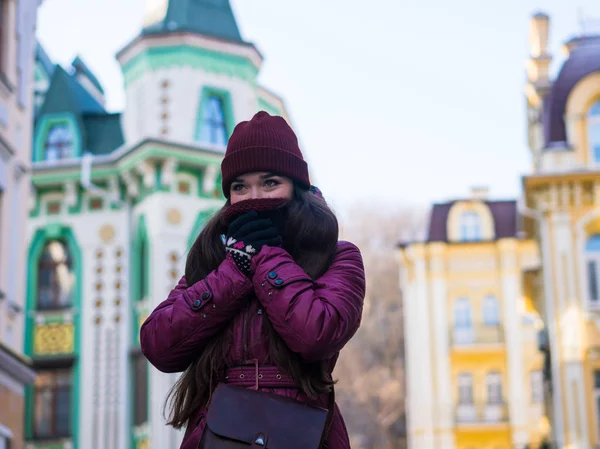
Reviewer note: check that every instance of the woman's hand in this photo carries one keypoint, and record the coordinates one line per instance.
(247, 235)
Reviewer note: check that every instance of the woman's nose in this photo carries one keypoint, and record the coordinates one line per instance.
(256, 193)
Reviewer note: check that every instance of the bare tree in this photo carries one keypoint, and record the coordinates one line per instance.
(371, 368)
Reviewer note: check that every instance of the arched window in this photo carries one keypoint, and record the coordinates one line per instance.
(491, 311)
(59, 143)
(592, 256)
(593, 125)
(470, 227)
(213, 128)
(463, 325)
(55, 277)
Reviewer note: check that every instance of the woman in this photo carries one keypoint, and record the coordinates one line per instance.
(279, 297)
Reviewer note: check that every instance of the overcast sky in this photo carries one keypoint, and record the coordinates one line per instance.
(396, 101)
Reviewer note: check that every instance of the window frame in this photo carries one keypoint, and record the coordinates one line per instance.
(494, 390)
(592, 271)
(140, 413)
(536, 379)
(213, 130)
(465, 385)
(470, 226)
(55, 303)
(463, 329)
(54, 387)
(486, 307)
(69, 142)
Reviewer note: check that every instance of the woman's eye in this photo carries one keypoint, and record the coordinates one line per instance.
(271, 183)
(237, 187)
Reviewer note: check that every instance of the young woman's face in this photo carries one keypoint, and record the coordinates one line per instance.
(257, 185)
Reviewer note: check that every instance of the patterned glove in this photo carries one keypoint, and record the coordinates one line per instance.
(246, 236)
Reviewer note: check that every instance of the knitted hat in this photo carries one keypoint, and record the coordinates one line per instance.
(265, 143)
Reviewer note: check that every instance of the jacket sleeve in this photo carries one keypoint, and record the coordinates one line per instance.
(176, 331)
(314, 318)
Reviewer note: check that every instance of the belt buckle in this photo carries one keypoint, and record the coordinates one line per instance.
(255, 363)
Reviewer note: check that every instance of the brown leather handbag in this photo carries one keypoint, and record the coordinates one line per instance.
(240, 418)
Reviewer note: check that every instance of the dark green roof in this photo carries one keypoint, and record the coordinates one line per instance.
(209, 17)
(103, 133)
(80, 67)
(65, 94)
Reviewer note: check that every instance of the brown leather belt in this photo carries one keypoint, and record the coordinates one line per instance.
(258, 376)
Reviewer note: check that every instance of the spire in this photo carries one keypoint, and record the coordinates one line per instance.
(208, 17)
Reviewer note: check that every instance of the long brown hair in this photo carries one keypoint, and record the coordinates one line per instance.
(310, 234)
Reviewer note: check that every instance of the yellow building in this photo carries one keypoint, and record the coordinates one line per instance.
(563, 200)
(474, 371)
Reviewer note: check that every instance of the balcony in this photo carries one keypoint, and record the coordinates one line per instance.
(468, 337)
(481, 414)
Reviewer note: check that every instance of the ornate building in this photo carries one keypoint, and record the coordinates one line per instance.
(476, 260)
(17, 49)
(562, 196)
(118, 199)
(474, 372)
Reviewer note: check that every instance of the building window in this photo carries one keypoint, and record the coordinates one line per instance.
(494, 388)
(491, 311)
(59, 143)
(52, 404)
(213, 128)
(537, 387)
(463, 326)
(140, 379)
(592, 256)
(55, 277)
(593, 124)
(465, 389)
(470, 227)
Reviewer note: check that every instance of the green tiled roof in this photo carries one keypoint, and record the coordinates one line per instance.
(209, 17)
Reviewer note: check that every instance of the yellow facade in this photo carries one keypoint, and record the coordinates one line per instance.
(471, 338)
(562, 195)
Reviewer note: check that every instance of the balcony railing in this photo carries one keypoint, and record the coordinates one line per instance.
(481, 414)
(477, 335)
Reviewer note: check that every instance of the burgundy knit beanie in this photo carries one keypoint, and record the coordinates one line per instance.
(265, 143)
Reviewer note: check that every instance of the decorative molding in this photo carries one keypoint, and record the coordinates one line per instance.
(230, 60)
(211, 172)
(131, 184)
(148, 173)
(169, 168)
(70, 189)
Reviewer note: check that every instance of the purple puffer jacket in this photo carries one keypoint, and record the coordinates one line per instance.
(314, 318)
